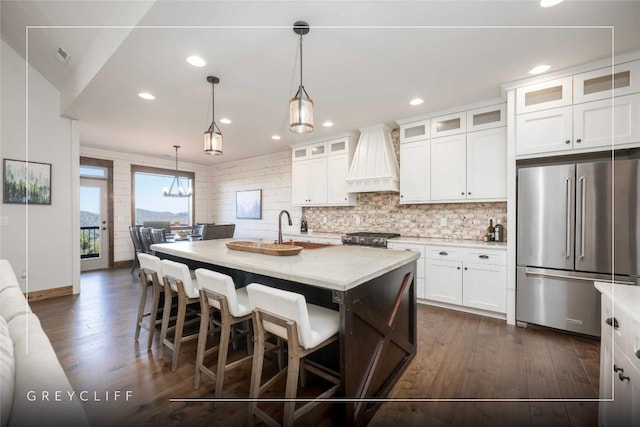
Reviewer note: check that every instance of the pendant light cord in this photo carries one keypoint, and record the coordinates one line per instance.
(301, 61)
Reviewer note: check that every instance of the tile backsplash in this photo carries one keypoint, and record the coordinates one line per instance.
(383, 212)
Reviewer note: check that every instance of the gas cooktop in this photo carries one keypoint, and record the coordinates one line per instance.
(363, 238)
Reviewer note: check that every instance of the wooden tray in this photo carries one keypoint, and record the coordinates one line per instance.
(265, 248)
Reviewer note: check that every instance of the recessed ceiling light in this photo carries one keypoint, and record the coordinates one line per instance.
(225, 121)
(196, 61)
(539, 69)
(416, 101)
(275, 137)
(327, 124)
(147, 96)
(549, 3)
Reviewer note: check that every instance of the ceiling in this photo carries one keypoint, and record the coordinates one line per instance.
(363, 62)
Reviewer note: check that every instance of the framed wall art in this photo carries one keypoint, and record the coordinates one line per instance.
(26, 182)
(249, 204)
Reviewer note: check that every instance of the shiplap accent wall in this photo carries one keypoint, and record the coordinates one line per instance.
(122, 246)
(272, 174)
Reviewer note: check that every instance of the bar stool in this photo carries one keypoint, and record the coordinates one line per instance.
(218, 292)
(306, 328)
(177, 281)
(150, 274)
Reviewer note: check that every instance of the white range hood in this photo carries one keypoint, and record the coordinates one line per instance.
(374, 167)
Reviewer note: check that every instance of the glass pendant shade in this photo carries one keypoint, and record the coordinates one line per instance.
(213, 135)
(213, 140)
(301, 112)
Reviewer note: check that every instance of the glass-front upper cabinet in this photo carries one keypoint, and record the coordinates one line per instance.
(310, 151)
(541, 96)
(451, 124)
(486, 118)
(414, 131)
(602, 83)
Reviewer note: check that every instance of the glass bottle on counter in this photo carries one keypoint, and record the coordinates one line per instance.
(499, 232)
(491, 231)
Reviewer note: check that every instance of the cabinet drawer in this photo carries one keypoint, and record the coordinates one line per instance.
(444, 253)
(480, 256)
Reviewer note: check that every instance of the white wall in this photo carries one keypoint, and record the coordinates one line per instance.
(272, 174)
(38, 238)
(122, 246)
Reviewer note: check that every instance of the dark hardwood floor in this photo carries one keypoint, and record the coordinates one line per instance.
(469, 370)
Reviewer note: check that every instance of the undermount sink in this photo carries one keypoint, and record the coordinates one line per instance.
(307, 245)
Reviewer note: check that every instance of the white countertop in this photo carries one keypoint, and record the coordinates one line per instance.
(625, 297)
(402, 239)
(334, 267)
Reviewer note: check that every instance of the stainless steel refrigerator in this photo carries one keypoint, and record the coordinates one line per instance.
(577, 223)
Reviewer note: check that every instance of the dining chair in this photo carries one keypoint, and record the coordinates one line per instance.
(178, 282)
(218, 293)
(150, 278)
(157, 235)
(134, 233)
(145, 239)
(306, 328)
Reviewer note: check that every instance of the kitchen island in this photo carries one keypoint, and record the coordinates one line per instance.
(373, 290)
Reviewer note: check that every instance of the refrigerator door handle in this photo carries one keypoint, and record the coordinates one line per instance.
(547, 273)
(567, 251)
(583, 209)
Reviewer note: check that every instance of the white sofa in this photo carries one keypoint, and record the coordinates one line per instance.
(34, 390)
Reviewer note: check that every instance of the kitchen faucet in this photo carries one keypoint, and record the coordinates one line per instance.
(280, 225)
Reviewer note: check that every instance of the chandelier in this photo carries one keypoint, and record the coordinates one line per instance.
(180, 190)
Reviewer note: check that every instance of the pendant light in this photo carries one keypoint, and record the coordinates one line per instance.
(213, 136)
(180, 190)
(301, 106)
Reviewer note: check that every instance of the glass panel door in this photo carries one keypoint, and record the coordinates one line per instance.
(94, 236)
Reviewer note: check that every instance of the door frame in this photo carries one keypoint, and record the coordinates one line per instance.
(107, 164)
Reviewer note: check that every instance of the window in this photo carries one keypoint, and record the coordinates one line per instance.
(148, 202)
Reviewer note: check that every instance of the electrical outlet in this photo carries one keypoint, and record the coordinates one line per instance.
(324, 219)
(443, 222)
(356, 219)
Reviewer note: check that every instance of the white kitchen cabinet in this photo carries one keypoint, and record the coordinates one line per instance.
(544, 131)
(444, 281)
(450, 124)
(467, 277)
(619, 359)
(420, 264)
(448, 168)
(415, 131)
(604, 83)
(337, 170)
(484, 118)
(545, 95)
(319, 169)
(309, 182)
(605, 122)
(487, 164)
(415, 173)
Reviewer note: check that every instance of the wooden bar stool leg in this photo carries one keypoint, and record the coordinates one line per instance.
(293, 370)
(154, 315)
(225, 332)
(166, 314)
(143, 301)
(256, 368)
(177, 339)
(202, 341)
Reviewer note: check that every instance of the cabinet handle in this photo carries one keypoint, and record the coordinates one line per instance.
(623, 377)
(616, 368)
(612, 321)
(458, 268)
(462, 193)
(466, 268)
(469, 193)
(401, 196)
(568, 141)
(483, 256)
(638, 354)
(443, 253)
(578, 140)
